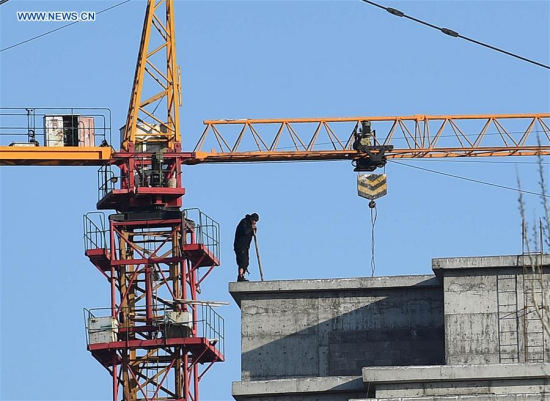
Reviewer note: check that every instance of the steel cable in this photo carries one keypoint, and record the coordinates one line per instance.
(454, 34)
(373, 217)
(61, 27)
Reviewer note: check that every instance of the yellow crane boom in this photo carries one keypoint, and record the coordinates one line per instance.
(418, 136)
(300, 139)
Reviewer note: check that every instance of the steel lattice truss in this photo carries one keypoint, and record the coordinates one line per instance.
(156, 82)
(418, 136)
(152, 267)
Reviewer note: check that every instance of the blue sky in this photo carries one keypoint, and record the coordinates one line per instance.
(261, 59)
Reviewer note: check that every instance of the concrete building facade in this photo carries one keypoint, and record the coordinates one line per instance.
(471, 330)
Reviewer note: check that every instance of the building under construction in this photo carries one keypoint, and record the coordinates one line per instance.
(474, 330)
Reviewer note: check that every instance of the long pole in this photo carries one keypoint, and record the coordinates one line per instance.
(258, 255)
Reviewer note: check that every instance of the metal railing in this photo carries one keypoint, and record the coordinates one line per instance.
(213, 327)
(207, 230)
(106, 181)
(95, 231)
(209, 325)
(69, 125)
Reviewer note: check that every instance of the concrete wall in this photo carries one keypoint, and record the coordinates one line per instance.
(314, 328)
(490, 315)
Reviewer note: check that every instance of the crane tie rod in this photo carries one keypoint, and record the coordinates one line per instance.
(452, 33)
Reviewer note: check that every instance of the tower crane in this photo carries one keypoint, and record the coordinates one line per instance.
(156, 338)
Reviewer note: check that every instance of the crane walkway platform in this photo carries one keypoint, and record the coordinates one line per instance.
(202, 350)
(199, 254)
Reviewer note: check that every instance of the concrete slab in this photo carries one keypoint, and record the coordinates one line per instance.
(459, 380)
(485, 397)
(485, 262)
(411, 374)
(304, 387)
(238, 289)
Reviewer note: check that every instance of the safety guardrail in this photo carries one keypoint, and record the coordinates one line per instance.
(207, 230)
(55, 127)
(95, 231)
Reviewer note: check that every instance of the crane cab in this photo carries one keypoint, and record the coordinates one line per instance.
(146, 173)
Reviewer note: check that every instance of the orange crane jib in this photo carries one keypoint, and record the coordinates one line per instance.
(307, 139)
(417, 136)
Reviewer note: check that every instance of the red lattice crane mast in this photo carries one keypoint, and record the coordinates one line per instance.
(157, 335)
(156, 338)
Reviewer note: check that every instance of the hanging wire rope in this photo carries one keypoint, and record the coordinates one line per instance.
(454, 34)
(58, 29)
(373, 217)
(472, 180)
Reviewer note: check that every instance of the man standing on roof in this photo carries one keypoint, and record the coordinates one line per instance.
(243, 236)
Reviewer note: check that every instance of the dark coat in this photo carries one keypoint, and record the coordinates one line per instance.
(243, 234)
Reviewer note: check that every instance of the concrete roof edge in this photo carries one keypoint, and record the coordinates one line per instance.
(495, 397)
(449, 373)
(240, 289)
(483, 262)
(330, 384)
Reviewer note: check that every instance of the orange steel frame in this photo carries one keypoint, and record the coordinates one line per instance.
(55, 156)
(167, 84)
(421, 136)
